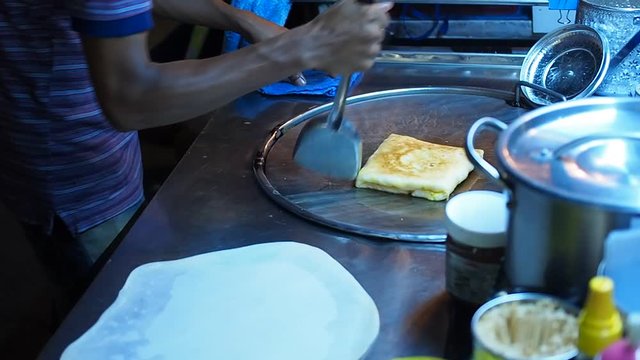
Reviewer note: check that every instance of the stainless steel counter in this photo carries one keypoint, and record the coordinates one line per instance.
(211, 202)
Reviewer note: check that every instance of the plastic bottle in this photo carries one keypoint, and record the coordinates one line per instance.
(628, 348)
(599, 323)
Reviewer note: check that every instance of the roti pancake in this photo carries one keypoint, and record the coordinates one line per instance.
(406, 165)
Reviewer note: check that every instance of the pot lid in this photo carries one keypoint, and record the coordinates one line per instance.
(571, 61)
(584, 150)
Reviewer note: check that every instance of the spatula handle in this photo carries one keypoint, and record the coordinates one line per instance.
(334, 119)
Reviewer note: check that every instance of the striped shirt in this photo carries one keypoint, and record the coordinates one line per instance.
(59, 156)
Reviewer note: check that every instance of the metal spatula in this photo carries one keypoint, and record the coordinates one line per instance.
(331, 147)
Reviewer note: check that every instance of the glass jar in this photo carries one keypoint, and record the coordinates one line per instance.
(476, 238)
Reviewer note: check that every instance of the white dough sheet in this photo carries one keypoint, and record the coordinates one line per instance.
(273, 301)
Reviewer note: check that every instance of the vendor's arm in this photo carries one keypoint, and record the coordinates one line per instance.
(217, 14)
(137, 93)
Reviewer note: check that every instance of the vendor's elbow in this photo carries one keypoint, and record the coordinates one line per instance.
(121, 117)
(123, 110)
(127, 104)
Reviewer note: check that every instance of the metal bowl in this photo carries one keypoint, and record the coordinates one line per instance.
(483, 352)
(571, 60)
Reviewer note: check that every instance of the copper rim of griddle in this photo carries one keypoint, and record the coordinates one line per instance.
(262, 159)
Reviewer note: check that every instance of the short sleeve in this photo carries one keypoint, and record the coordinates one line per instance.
(109, 18)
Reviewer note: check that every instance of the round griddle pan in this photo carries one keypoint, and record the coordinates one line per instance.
(435, 114)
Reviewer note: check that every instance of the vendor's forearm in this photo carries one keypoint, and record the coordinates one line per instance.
(210, 13)
(136, 93)
(140, 94)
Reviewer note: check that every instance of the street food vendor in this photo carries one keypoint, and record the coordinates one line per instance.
(76, 82)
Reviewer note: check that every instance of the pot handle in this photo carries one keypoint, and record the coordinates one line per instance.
(473, 156)
(520, 84)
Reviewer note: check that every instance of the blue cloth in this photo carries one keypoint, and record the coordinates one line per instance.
(318, 83)
(275, 11)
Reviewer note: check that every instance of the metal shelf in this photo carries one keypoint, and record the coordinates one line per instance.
(463, 29)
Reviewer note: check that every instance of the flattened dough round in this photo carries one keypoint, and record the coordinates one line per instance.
(282, 300)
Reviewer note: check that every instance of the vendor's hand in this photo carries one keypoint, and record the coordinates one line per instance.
(347, 37)
(263, 29)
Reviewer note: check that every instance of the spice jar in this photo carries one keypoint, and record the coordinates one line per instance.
(476, 224)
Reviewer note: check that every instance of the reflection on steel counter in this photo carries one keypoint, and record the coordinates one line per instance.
(211, 202)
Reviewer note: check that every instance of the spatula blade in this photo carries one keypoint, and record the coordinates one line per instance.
(336, 154)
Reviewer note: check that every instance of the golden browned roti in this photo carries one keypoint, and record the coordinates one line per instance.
(406, 165)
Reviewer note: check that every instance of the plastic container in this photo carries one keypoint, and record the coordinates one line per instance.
(622, 264)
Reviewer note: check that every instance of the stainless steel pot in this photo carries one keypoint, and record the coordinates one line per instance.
(619, 22)
(573, 173)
